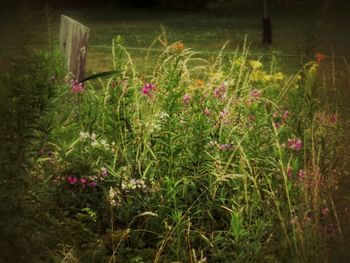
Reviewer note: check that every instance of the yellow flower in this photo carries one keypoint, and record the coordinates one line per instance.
(278, 76)
(267, 77)
(199, 83)
(255, 64)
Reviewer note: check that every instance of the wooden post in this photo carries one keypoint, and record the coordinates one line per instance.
(73, 44)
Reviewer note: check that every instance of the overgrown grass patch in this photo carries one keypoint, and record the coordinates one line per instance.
(224, 160)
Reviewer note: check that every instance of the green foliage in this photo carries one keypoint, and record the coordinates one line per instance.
(213, 160)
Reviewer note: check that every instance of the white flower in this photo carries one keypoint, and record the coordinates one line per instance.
(84, 135)
(93, 136)
(163, 116)
(94, 143)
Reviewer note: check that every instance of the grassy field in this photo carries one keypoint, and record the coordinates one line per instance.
(297, 31)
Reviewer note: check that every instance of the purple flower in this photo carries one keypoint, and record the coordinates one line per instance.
(92, 184)
(219, 92)
(77, 87)
(295, 144)
(104, 172)
(72, 179)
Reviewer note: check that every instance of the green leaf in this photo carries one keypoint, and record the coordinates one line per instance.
(101, 75)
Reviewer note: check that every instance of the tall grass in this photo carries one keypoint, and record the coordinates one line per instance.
(219, 160)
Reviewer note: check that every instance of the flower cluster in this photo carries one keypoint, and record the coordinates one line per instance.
(295, 144)
(148, 89)
(133, 184)
(94, 142)
(77, 87)
(220, 92)
(73, 180)
(280, 119)
(91, 181)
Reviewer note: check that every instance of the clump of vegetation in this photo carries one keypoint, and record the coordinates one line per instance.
(197, 161)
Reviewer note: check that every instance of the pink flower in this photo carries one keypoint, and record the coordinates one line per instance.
(285, 115)
(289, 172)
(301, 175)
(72, 179)
(207, 112)
(219, 92)
(147, 89)
(77, 87)
(83, 181)
(223, 113)
(295, 144)
(224, 147)
(325, 211)
(333, 119)
(186, 99)
(255, 93)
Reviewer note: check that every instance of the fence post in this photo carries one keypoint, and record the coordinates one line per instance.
(73, 44)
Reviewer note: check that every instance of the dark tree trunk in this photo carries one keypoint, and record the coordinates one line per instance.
(267, 31)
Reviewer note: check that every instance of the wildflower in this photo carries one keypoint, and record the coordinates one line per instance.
(224, 147)
(178, 46)
(219, 92)
(163, 116)
(223, 113)
(285, 115)
(199, 83)
(295, 144)
(301, 174)
(255, 64)
(93, 136)
(147, 89)
(186, 99)
(325, 211)
(255, 93)
(72, 179)
(104, 172)
(319, 57)
(83, 181)
(277, 125)
(92, 184)
(289, 172)
(207, 112)
(278, 76)
(77, 87)
(84, 135)
(94, 143)
(333, 119)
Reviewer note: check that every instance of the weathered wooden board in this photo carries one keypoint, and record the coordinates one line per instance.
(73, 43)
